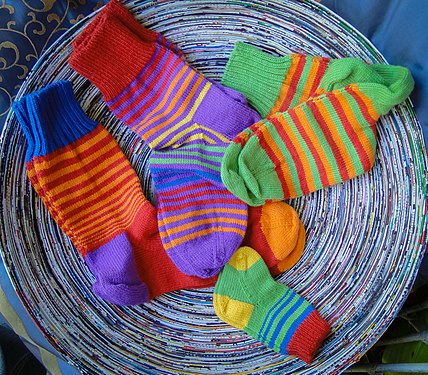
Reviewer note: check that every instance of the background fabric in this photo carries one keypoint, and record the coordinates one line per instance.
(398, 29)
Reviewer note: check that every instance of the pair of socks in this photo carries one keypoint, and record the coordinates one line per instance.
(320, 121)
(91, 190)
(148, 85)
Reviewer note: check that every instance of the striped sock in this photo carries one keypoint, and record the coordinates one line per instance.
(64, 144)
(169, 104)
(321, 142)
(246, 297)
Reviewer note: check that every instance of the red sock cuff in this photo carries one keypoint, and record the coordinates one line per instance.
(308, 337)
(110, 55)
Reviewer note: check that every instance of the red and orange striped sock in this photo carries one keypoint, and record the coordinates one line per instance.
(92, 192)
(322, 141)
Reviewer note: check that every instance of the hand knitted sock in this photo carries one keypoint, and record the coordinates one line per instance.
(168, 104)
(246, 297)
(321, 142)
(124, 254)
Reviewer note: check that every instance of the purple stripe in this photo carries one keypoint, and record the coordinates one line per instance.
(162, 75)
(183, 156)
(159, 96)
(197, 201)
(178, 107)
(192, 190)
(171, 237)
(241, 206)
(135, 82)
(203, 216)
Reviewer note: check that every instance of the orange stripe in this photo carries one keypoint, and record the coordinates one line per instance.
(60, 155)
(173, 219)
(338, 142)
(107, 193)
(275, 154)
(316, 143)
(54, 191)
(112, 231)
(200, 233)
(285, 88)
(147, 121)
(196, 223)
(363, 141)
(109, 214)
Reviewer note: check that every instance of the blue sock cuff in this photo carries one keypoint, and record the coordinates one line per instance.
(51, 118)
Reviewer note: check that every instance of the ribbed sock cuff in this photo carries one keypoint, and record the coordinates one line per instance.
(51, 118)
(256, 74)
(308, 337)
(110, 55)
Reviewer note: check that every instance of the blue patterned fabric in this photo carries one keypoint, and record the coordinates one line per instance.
(27, 29)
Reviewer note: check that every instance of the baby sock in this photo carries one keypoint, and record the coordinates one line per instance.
(246, 297)
(322, 141)
(168, 104)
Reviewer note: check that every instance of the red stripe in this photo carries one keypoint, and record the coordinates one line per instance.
(86, 138)
(294, 154)
(274, 158)
(285, 105)
(307, 139)
(93, 165)
(194, 195)
(185, 188)
(362, 105)
(336, 151)
(75, 193)
(324, 61)
(352, 134)
(106, 196)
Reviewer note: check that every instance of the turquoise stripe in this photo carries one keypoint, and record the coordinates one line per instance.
(287, 297)
(293, 328)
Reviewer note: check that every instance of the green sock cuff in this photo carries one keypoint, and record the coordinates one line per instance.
(385, 85)
(256, 74)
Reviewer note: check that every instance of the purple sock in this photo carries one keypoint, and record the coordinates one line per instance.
(171, 106)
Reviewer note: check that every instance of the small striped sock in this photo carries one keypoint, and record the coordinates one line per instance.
(169, 104)
(246, 297)
(321, 142)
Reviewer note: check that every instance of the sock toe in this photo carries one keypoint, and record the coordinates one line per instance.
(213, 252)
(122, 294)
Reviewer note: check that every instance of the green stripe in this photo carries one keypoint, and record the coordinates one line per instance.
(219, 149)
(285, 157)
(273, 324)
(328, 152)
(364, 125)
(312, 163)
(355, 158)
(154, 160)
(303, 80)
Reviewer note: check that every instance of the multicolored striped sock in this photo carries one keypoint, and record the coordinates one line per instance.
(323, 141)
(169, 104)
(246, 297)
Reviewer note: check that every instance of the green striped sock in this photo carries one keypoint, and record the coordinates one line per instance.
(328, 139)
(247, 297)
